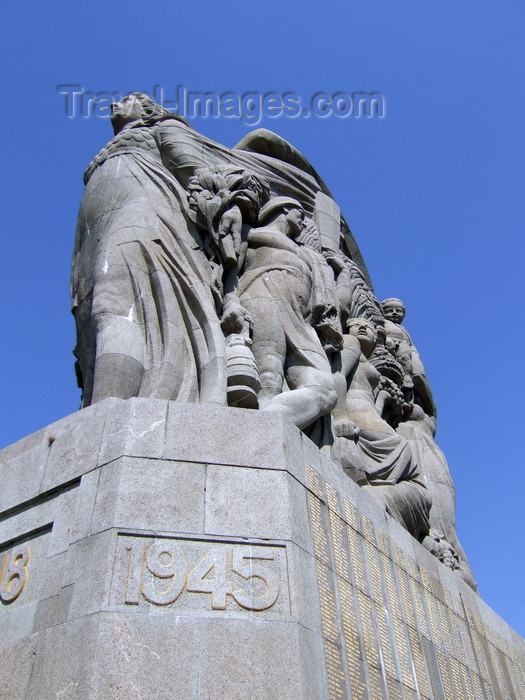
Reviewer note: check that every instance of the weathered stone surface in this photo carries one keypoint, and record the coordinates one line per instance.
(150, 495)
(17, 460)
(172, 578)
(301, 567)
(135, 427)
(69, 443)
(212, 275)
(25, 521)
(65, 661)
(91, 573)
(145, 657)
(16, 667)
(53, 611)
(79, 504)
(253, 671)
(241, 437)
(255, 503)
(17, 622)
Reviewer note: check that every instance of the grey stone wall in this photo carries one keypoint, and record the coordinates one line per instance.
(154, 549)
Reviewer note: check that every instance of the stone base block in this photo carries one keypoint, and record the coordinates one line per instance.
(161, 550)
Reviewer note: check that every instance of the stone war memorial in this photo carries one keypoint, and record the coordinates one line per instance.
(250, 502)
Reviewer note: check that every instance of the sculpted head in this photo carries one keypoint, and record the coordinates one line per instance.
(137, 106)
(365, 333)
(249, 192)
(287, 208)
(393, 310)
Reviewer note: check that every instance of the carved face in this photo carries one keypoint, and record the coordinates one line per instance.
(365, 333)
(295, 218)
(128, 110)
(394, 311)
(248, 203)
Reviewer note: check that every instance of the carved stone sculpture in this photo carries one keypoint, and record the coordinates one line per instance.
(419, 431)
(369, 449)
(225, 202)
(285, 288)
(418, 427)
(144, 293)
(209, 274)
(145, 313)
(415, 380)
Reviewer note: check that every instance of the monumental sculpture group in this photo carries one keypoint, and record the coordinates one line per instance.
(208, 274)
(250, 502)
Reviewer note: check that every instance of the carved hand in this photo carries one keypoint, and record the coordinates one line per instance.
(347, 429)
(235, 319)
(335, 261)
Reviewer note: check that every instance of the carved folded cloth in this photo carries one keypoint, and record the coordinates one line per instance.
(384, 465)
(439, 482)
(386, 459)
(140, 284)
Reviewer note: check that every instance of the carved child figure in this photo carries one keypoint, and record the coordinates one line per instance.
(415, 381)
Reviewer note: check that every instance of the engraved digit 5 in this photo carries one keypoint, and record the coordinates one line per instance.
(244, 565)
(15, 573)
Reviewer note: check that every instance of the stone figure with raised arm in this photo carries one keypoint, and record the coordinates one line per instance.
(289, 292)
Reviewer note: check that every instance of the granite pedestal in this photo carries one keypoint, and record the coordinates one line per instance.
(159, 550)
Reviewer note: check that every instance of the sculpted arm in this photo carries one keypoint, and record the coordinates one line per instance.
(350, 355)
(381, 401)
(264, 237)
(422, 390)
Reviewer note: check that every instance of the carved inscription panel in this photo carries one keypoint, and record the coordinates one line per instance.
(390, 629)
(185, 575)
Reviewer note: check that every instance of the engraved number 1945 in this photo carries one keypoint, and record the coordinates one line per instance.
(160, 574)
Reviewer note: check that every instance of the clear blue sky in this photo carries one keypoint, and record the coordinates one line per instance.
(433, 193)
